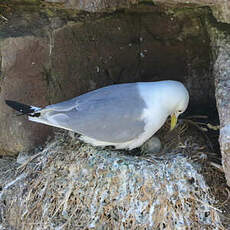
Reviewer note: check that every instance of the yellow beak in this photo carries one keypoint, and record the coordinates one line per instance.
(173, 121)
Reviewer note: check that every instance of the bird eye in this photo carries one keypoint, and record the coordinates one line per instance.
(180, 111)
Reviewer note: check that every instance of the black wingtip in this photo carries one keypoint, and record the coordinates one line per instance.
(22, 108)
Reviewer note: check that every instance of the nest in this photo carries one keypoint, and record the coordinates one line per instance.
(72, 185)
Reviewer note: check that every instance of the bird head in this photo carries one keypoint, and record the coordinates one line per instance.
(180, 106)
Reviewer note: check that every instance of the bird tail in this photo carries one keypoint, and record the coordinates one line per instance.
(24, 109)
(35, 114)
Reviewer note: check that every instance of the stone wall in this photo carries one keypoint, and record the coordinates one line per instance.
(61, 59)
(50, 52)
(221, 52)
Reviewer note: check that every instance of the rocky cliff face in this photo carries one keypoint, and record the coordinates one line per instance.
(53, 50)
(48, 57)
(221, 50)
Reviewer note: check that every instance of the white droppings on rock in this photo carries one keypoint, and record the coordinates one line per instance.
(11, 183)
(142, 54)
(226, 131)
(79, 185)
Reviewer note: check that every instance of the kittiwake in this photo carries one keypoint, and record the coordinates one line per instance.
(121, 115)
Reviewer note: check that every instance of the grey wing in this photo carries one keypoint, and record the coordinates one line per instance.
(110, 115)
(62, 106)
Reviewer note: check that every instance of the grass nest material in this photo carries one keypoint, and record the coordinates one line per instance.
(72, 185)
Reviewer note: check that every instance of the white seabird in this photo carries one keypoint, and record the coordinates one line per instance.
(122, 115)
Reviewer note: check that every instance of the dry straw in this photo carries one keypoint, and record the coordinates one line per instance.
(71, 185)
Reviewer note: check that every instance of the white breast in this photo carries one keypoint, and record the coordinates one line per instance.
(154, 114)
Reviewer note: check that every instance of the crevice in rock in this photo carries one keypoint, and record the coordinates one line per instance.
(82, 51)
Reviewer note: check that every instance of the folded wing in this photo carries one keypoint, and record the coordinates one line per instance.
(111, 114)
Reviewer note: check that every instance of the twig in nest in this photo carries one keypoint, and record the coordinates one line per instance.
(3, 17)
(23, 166)
(219, 167)
(199, 128)
(64, 202)
(228, 192)
(197, 116)
(210, 206)
(213, 127)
